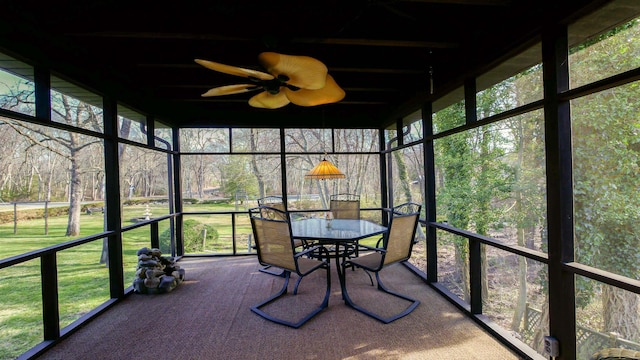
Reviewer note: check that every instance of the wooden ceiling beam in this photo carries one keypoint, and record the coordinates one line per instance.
(331, 69)
(300, 40)
(379, 42)
(158, 36)
(464, 2)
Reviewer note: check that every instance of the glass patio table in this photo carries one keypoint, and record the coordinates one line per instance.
(337, 232)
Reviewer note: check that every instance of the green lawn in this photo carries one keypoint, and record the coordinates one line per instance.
(83, 281)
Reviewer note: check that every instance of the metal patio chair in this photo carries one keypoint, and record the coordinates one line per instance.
(395, 246)
(275, 202)
(276, 248)
(345, 206)
(272, 201)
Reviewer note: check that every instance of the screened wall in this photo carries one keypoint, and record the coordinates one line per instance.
(527, 181)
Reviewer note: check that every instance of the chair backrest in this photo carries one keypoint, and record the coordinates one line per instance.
(271, 199)
(345, 206)
(402, 230)
(274, 202)
(273, 238)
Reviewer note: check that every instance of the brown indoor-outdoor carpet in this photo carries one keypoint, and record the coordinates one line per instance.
(208, 317)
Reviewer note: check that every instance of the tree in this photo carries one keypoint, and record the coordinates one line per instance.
(606, 163)
(456, 174)
(237, 177)
(68, 145)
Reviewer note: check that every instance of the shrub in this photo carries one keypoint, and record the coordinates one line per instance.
(32, 214)
(193, 242)
(216, 201)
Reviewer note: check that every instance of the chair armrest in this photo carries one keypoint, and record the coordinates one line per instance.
(379, 241)
(371, 248)
(378, 246)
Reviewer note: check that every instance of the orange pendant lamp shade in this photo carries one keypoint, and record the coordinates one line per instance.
(324, 170)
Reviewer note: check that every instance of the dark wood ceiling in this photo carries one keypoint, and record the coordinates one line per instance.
(383, 53)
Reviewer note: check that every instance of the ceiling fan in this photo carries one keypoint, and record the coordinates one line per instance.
(301, 80)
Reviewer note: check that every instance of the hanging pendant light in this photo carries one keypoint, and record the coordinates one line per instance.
(324, 170)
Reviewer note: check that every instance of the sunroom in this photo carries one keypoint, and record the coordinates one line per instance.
(522, 148)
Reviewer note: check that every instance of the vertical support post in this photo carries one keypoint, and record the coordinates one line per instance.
(384, 188)
(151, 129)
(171, 201)
(155, 235)
(475, 252)
(42, 79)
(283, 169)
(475, 276)
(470, 103)
(177, 246)
(233, 233)
(562, 318)
(430, 191)
(112, 199)
(50, 309)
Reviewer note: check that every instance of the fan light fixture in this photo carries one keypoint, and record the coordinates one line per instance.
(300, 80)
(324, 170)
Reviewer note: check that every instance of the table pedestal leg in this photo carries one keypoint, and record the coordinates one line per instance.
(339, 269)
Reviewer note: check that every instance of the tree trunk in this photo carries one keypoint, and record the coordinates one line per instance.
(521, 301)
(200, 182)
(50, 179)
(104, 254)
(620, 309)
(254, 164)
(484, 278)
(543, 329)
(462, 254)
(402, 177)
(75, 190)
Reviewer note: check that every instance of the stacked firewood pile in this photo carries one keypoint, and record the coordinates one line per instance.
(156, 273)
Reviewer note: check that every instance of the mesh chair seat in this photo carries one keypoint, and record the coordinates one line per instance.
(307, 265)
(370, 261)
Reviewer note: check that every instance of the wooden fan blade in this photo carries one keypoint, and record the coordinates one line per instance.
(303, 71)
(266, 100)
(234, 70)
(331, 93)
(230, 89)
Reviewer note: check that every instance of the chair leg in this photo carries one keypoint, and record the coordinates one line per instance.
(325, 302)
(353, 268)
(381, 287)
(267, 270)
(410, 308)
(282, 291)
(295, 288)
(369, 275)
